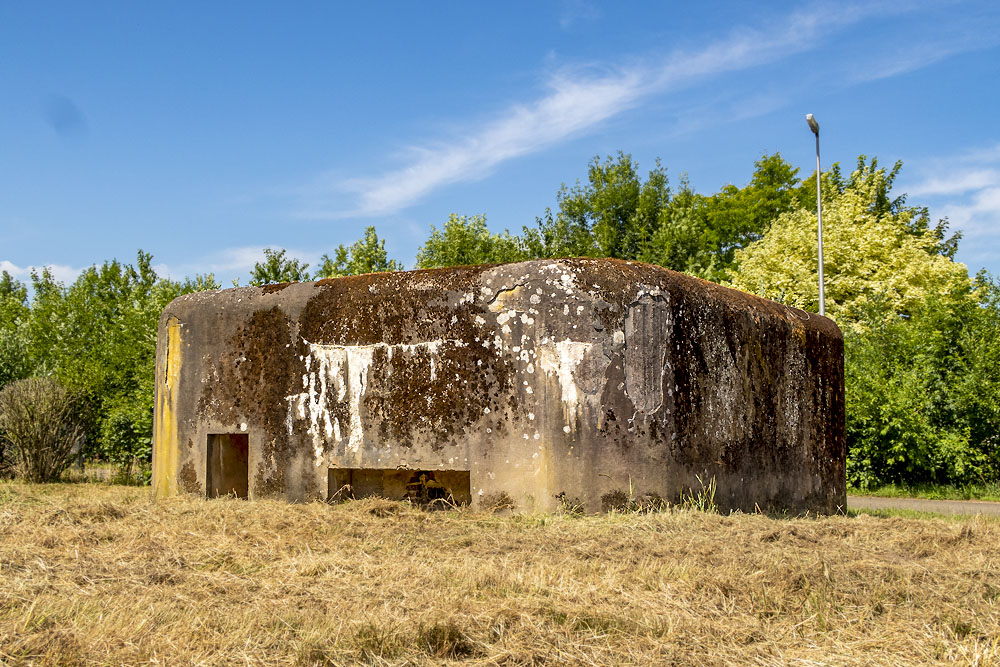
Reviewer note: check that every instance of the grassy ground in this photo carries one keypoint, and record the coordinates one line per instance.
(102, 574)
(935, 491)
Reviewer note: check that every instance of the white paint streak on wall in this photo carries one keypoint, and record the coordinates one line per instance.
(359, 360)
(562, 359)
(342, 371)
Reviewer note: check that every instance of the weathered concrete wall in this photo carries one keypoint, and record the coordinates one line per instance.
(577, 376)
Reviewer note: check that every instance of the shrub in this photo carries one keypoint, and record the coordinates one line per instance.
(41, 427)
(126, 442)
(923, 393)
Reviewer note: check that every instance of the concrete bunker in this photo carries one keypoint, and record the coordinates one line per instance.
(539, 380)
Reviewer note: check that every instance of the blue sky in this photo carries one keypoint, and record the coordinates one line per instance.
(204, 132)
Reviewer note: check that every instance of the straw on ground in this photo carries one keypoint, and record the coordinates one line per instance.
(99, 574)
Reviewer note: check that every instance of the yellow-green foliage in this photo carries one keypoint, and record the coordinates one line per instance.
(921, 378)
(868, 253)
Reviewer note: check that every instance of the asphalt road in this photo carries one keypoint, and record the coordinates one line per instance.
(921, 505)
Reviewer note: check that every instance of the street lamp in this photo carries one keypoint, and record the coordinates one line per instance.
(814, 126)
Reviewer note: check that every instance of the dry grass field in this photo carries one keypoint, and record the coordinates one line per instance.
(94, 574)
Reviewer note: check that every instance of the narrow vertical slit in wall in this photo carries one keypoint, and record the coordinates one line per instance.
(228, 469)
(166, 361)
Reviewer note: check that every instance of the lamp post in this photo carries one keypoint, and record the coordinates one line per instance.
(814, 126)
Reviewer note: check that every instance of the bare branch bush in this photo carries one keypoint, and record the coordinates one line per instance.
(41, 428)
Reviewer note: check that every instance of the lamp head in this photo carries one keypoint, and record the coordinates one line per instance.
(813, 125)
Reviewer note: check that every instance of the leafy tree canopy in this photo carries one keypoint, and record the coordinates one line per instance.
(922, 374)
(98, 337)
(13, 300)
(367, 255)
(923, 392)
(277, 268)
(613, 214)
(875, 248)
(466, 240)
(922, 340)
(14, 311)
(618, 214)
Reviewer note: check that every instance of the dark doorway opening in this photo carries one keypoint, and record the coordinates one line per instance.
(228, 470)
(424, 487)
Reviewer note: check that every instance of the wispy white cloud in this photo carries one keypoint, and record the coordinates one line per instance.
(899, 63)
(965, 188)
(888, 65)
(978, 215)
(985, 155)
(230, 263)
(746, 48)
(226, 264)
(956, 182)
(964, 30)
(574, 11)
(61, 272)
(575, 101)
(572, 105)
(723, 107)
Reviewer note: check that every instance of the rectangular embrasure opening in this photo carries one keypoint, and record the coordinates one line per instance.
(228, 469)
(425, 487)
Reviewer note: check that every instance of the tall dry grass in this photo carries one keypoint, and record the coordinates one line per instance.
(103, 575)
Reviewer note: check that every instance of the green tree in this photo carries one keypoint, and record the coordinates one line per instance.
(682, 240)
(467, 240)
(277, 268)
(14, 311)
(873, 249)
(737, 217)
(98, 337)
(976, 384)
(200, 283)
(618, 214)
(13, 300)
(700, 234)
(556, 236)
(923, 391)
(922, 374)
(44, 328)
(882, 201)
(366, 255)
(615, 214)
